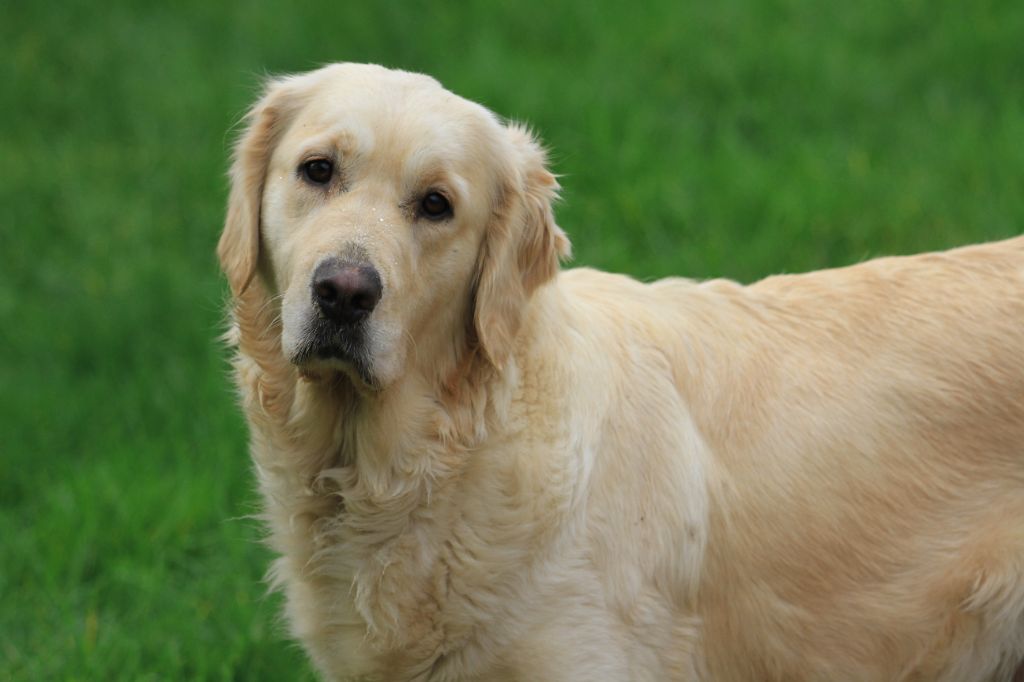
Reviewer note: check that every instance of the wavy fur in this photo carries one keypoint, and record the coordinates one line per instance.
(574, 476)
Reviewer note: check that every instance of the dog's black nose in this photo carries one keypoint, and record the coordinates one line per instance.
(346, 292)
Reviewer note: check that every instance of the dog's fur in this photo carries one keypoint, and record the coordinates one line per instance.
(541, 475)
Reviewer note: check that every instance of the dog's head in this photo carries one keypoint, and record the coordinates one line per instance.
(391, 221)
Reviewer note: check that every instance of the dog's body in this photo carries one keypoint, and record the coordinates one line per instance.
(496, 471)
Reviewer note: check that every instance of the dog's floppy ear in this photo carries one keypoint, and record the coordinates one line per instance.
(521, 248)
(239, 246)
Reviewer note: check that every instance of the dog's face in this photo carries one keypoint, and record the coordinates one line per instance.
(393, 222)
(373, 209)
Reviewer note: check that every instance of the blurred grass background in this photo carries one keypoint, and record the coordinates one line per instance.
(735, 138)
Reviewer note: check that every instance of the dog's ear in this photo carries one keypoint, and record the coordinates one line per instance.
(521, 249)
(239, 246)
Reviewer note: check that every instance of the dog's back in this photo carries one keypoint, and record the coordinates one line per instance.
(865, 437)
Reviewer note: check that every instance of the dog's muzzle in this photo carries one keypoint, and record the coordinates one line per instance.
(343, 295)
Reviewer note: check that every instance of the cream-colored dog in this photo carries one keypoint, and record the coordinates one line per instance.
(477, 467)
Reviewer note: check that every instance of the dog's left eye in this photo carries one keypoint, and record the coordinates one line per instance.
(435, 206)
(318, 171)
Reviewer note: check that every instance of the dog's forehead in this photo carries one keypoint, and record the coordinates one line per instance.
(382, 110)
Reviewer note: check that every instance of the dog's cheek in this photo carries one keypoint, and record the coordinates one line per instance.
(294, 315)
(387, 351)
(277, 263)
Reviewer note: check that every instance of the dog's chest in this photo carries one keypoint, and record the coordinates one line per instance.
(365, 600)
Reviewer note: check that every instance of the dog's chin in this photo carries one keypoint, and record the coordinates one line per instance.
(329, 367)
(329, 363)
(364, 355)
(324, 352)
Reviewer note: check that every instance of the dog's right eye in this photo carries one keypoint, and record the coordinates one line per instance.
(318, 171)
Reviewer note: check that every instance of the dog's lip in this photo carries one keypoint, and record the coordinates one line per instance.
(324, 354)
(329, 361)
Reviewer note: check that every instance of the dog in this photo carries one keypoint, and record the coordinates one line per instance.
(475, 465)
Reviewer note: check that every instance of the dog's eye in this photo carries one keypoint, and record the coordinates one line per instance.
(435, 206)
(318, 171)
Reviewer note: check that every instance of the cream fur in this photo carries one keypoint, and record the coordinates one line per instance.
(575, 476)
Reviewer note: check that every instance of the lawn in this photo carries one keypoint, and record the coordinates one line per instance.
(729, 139)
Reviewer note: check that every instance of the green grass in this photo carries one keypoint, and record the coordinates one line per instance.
(729, 138)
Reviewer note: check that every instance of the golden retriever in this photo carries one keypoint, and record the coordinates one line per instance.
(476, 466)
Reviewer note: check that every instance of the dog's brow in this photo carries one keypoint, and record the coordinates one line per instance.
(438, 177)
(336, 142)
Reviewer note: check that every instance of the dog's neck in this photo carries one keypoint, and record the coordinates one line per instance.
(348, 478)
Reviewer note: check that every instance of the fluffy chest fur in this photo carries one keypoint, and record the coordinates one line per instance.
(425, 539)
(399, 546)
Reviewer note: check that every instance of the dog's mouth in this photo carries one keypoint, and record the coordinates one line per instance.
(330, 350)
